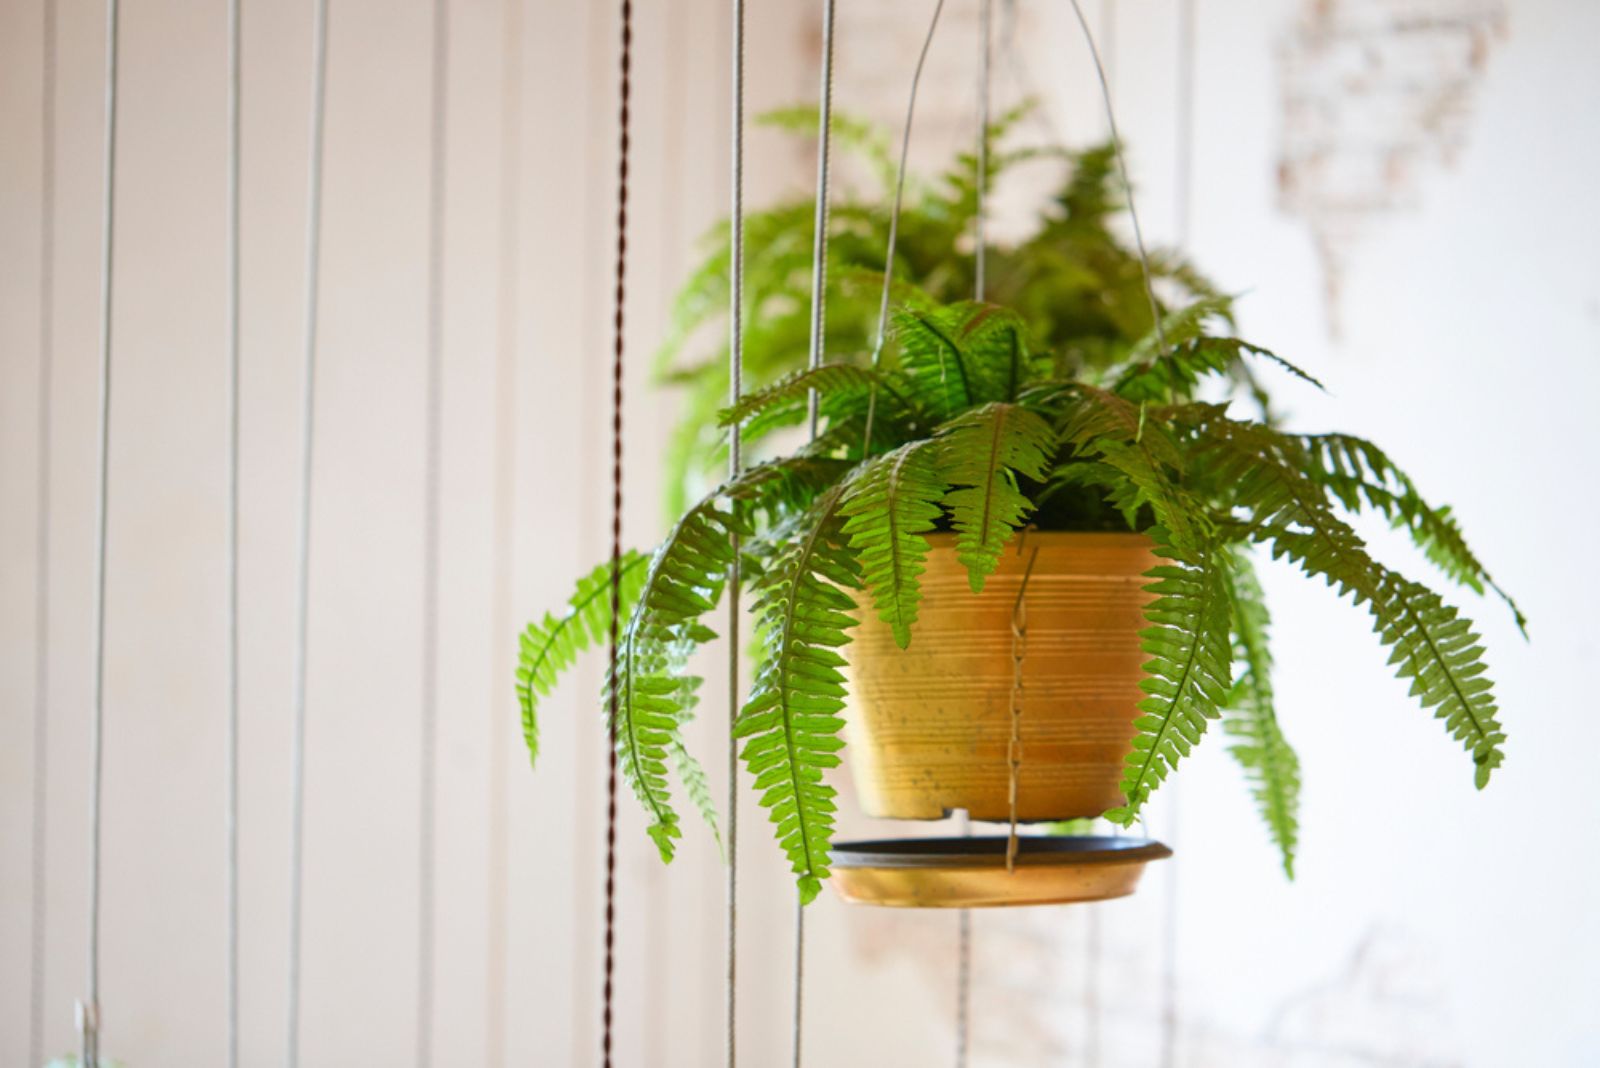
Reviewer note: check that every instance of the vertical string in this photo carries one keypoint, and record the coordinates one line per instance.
(819, 298)
(428, 788)
(39, 855)
(89, 1008)
(505, 459)
(624, 92)
(1182, 184)
(1122, 170)
(979, 255)
(819, 237)
(894, 224)
(297, 742)
(735, 464)
(231, 741)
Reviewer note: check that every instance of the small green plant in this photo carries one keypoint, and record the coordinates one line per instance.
(981, 419)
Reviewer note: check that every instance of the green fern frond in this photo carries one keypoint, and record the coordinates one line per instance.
(647, 694)
(548, 647)
(797, 386)
(1265, 475)
(1187, 673)
(1360, 475)
(697, 786)
(1175, 374)
(933, 358)
(791, 722)
(981, 453)
(890, 506)
(1251, 717)
(1435, 647)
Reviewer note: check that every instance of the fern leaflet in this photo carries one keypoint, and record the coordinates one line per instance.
(791, 721)
(981, 453)
(891, 505)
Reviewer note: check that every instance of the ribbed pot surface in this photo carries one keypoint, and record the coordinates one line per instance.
(929, 725)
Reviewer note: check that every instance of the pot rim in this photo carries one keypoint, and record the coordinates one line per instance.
(990, 852)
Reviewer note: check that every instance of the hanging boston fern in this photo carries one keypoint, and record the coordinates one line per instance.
(977, 431)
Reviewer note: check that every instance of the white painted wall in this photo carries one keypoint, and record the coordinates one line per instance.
(1430, 925)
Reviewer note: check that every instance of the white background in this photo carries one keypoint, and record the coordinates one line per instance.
(1430, 924)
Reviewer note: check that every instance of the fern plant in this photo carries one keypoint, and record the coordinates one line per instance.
(979, 420)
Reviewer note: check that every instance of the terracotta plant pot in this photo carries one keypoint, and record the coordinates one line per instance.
(929, 725)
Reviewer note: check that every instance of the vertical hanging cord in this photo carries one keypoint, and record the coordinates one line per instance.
(432, 447)
(1182, 183)
(735, 464)
(41, 606)
(297, 742)
(89, 1009)
(1122, 169)
(979, 255)
(894, 225)
(819, 237)
(624, 91)
(505, 391)
(231, 742)
(819, 299)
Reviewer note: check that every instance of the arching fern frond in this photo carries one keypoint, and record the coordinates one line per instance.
(1265, 475)
(1187, 673)
(1251, 717)
(1175, 374)
(1435, 647)
(791, 722)
(793, 389)
(1361, 476)
(890, 507)
(548, 647)
(647, 691)
(981, 453)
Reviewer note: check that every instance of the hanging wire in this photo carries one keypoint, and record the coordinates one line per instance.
(231, 742)
(980, 254)
(428, 788)
(819, 243)
(894, 223)
(89, 1008)
(1122, 169)
(1182, 184)
(624, 93)
(505, 460)
(40, 851)
(735, 465)
(297, 743)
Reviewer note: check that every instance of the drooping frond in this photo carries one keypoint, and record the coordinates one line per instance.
(1181, 326)
(696, 785)
(1265, 475)
(647, 691)
(791, 722)
(1251, 717)
(1435, 647)
(548, 647)
(981, 453)
(1360, 475)
(890, 506)
(1187, 673)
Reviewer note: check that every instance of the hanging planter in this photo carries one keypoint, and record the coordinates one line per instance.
(931, 726)
(1047, 453)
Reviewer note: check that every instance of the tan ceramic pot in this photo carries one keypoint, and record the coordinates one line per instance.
(929, 725)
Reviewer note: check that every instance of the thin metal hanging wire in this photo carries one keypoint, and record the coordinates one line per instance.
(501, 548)
(1122, 170)
(1183, 177)
(894, 223)
(297, 743)
(428, 788)
(735, 465)
(231, 741)
(819, 298)
(624, 93)
(40, 845)
(89, 1009)
(979, 256)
